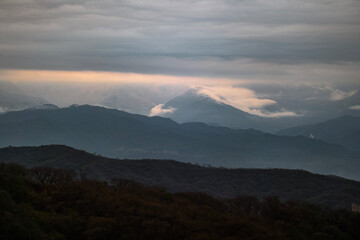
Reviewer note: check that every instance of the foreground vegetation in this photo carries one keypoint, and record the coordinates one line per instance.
(47, 203)
(287, 184)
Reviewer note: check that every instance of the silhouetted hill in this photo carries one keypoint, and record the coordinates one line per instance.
(184, 177)
(344, 130)
(48, 203)
(120, 134)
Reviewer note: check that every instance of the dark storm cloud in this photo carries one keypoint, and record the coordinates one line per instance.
(210, 38)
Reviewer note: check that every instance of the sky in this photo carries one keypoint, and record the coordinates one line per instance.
(214, 43)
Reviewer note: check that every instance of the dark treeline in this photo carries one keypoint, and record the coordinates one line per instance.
(47, 203)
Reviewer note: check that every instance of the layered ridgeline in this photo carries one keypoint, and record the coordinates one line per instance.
(196, 106)
(115, 133)
(344, 130)
(184, 177)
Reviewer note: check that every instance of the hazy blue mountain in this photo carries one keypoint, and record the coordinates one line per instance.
(344, 130)
(11, 98)
(129, 97)
(138, 99)
(313, 104)
(182, 177)
(120, 134)
(194, 107)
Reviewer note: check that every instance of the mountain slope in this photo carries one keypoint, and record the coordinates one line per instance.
(182, 177)
(116, 133)
(194, 107)
(344, 130)
(313, 104)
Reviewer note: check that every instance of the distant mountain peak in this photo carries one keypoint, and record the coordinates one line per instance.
(200, 95)
(47, 106)
(202, 105)
(75, 105)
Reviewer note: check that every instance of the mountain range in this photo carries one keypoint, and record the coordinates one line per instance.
(344, 130)
(313, 104)
(175, 176)
(119, 134)
(194, 106)
(308, 104)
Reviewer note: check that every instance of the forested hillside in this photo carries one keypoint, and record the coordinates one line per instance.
(175, 176)
(46, 203)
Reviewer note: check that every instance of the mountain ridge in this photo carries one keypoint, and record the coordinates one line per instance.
(115, 133)
(197, 106)
(185, 177)
(344, 130)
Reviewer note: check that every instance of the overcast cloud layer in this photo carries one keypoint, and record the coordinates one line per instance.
(283, 40)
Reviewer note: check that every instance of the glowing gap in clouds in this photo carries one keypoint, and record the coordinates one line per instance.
(220, 89)
(107, 77)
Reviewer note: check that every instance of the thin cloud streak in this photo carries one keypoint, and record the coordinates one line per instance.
(244, 99)
(158, 110)
(356, 107)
